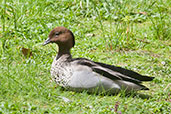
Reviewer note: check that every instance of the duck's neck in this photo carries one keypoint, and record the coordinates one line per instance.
(64, 53)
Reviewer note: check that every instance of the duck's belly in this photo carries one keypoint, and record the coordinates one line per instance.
(96, 83)
(92, 82)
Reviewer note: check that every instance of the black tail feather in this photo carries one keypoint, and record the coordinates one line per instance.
(147, 78)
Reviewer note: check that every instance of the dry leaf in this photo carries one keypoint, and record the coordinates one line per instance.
(117, 106)
(142, 13)
(26, 52)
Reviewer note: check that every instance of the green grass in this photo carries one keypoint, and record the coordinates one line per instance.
(129, 33)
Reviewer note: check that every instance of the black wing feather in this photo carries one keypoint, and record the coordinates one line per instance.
(127, 72)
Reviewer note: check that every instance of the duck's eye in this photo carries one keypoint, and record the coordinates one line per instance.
(56, 33)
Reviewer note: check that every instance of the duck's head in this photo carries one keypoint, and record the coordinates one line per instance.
(62, 36)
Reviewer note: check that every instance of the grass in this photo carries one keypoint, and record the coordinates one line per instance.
(132, 34)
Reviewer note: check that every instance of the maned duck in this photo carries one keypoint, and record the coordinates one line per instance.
(82, 74)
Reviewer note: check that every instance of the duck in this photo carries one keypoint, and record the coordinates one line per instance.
(81, 74)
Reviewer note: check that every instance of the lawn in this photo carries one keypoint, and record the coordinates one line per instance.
(134, 34)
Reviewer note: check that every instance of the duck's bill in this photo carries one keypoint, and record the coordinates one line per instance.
(46, 42)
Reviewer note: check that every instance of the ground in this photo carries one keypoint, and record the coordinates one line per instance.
(132, 34)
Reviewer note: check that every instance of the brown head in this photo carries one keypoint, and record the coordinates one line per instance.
(63, 37)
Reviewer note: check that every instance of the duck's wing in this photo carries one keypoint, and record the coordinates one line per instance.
(126, 72)
(113, 72)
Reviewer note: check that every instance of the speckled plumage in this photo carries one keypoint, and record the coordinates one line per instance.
(61, 70)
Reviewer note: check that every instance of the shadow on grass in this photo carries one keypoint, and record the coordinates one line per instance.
(137, 95)
(121, 94)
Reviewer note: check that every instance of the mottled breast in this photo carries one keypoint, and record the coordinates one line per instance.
(61, 72)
